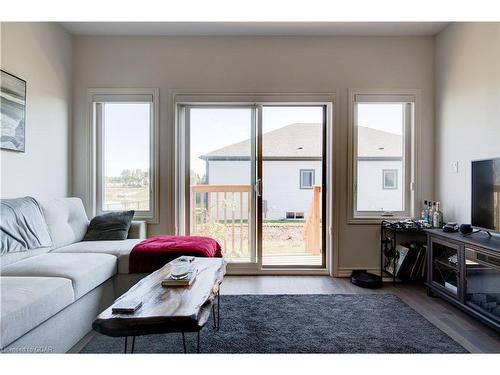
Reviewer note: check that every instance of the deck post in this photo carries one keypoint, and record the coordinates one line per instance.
(312, 229)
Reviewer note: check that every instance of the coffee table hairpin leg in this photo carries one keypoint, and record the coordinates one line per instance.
(218, 308)
(197, 342)
(184, 342)
(133, 345)
(216, 316)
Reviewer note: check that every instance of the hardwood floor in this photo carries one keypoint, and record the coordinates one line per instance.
(470, 333)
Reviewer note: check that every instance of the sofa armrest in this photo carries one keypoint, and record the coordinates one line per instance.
(137, 229)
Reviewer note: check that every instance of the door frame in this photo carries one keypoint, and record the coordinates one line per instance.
(324, 187)
(181, 99)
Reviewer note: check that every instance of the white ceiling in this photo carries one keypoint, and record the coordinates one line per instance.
(255, 28)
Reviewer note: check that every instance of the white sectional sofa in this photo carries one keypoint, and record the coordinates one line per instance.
(50, 296)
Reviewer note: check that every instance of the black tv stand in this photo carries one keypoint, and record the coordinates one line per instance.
(465, 271)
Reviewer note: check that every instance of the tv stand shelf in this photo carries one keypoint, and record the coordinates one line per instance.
(480, 239)
(473, 280)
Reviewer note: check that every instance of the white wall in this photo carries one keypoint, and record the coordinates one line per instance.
(39, 53)
(281, 187)
(467, 109)
(371, 194)
(233, 172)
(258, 64)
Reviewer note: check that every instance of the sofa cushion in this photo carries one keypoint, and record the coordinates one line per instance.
(66, 220)
(109, 226)
(120, 249)
(27, 302)
(9, 258)
(86, 271)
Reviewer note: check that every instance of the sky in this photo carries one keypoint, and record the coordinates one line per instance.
(382, 116)
(126, 140)
(126, 137)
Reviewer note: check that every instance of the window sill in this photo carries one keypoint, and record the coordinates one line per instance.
(148, 219)
(374, 220)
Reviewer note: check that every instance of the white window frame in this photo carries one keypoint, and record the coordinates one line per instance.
(387, 187)
(301, 182)
(410, 144)
(95, 96)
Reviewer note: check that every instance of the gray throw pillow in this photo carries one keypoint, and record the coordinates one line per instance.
(109, 226)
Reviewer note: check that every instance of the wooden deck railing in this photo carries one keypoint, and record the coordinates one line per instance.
(222, 211)
(312, 229)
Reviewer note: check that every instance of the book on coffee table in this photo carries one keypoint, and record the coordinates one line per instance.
(126, 307)
(178, 282)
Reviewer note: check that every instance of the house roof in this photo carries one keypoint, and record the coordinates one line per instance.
(378, 143)
(303, 140)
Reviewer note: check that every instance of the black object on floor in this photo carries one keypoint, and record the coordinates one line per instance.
(366, 279)
(320, 323)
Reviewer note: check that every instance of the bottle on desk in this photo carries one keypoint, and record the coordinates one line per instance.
(423, 215)
(437, 217)
(430, 213)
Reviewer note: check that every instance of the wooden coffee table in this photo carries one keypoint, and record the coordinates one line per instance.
(168, 309)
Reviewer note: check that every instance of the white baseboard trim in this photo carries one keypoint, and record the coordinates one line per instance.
(277, 271)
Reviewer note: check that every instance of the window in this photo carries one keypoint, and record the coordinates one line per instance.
(125, 172)
(299, 215)
(389, 179)
(382, 126)
(306, 178)
(294, 215)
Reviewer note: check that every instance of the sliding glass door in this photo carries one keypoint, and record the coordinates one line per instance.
(292, 186)
(254, 182)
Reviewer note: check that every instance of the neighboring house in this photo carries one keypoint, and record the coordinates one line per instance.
(292, 166)
(380, 170)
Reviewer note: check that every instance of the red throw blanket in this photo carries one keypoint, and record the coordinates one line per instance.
(153, 253)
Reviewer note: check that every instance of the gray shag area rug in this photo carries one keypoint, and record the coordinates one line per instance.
(336, 323)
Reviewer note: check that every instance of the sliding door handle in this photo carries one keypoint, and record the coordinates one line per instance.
(258, 187)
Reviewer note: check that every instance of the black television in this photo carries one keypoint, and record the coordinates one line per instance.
(485, 212)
